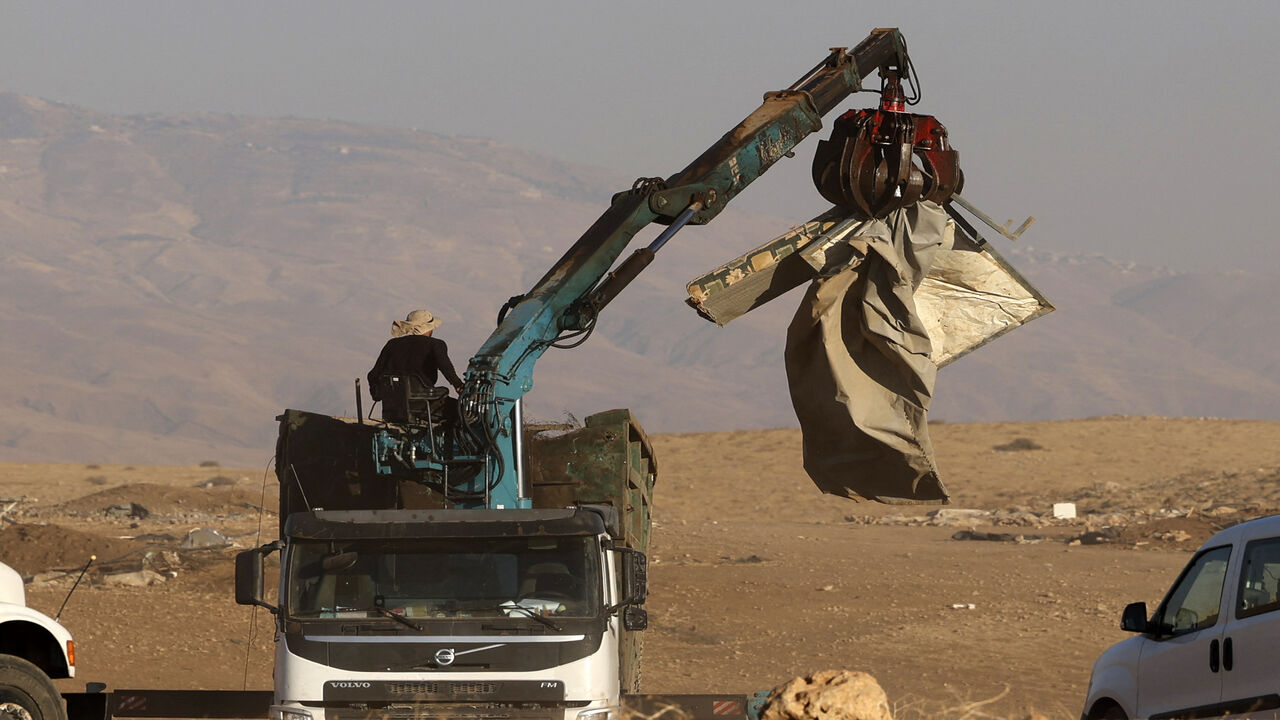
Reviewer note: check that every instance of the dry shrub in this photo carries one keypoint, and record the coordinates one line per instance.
(664, 712)
(960, 708)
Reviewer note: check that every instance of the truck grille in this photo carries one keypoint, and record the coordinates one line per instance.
(446, 689)
(456, 712)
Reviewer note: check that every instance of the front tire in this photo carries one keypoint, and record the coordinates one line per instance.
(26, 693)
(1112, 712)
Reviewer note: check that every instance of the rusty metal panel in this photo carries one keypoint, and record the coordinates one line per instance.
(609, 461)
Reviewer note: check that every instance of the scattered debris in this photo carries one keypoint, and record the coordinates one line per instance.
(1096, 537)
(996, 537)
(1064, 510)
(202, 539)
(1176, 536)
(963, 606)
(137, 578)
(1020, 443)
(828, 695)
(9, 504)
(165, 562)
(958, 516)
(52, 577)
(133, 511)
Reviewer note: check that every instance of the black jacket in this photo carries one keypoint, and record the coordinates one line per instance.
(421, 354)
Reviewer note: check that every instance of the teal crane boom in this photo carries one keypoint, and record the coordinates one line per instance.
(562, 308)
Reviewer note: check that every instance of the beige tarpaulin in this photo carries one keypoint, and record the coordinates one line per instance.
(858, 363)
(890, 301)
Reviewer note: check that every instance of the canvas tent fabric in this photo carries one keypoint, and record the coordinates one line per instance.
(858, 367)
(889, 302)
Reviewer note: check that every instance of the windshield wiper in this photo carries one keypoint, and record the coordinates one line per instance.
(376, 608)
(529, 612)
(397, 617)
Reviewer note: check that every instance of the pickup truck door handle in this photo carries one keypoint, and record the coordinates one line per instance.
(1213, 655)
(1226, 655)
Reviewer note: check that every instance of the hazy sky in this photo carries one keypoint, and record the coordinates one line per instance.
(1134, 130)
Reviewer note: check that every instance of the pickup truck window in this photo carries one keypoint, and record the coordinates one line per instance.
(1194, 602)
(1259, 576)
(445, 578)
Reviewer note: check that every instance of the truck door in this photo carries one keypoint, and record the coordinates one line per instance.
(1180, 666)
(1250, 679)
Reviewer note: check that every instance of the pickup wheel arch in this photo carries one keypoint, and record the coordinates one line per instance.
(36, 645)
(1107, 709)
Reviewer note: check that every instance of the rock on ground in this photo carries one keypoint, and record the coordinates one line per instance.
(828, 695)
(139, 578)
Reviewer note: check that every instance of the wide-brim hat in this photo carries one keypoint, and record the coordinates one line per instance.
(415, 323)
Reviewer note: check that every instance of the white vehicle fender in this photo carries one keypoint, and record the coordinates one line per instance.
(1115, 677)
(31, 634)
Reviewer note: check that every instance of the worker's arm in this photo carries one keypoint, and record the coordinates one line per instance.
(441, 353)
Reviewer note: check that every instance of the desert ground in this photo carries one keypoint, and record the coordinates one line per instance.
(756, 577)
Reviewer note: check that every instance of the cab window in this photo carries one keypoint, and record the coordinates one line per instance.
(1194, 601)
(1259, 576)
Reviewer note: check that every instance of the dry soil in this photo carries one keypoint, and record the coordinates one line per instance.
(756, 577)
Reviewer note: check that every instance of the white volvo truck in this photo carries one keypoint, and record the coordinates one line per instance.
(388, 607)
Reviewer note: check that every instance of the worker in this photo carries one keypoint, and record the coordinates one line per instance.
(413, 353)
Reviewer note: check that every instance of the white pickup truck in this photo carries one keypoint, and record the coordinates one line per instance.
(1209, 649)
(33, 649)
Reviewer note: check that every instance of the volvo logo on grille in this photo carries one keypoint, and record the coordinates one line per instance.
(350, 684)
(445, 656)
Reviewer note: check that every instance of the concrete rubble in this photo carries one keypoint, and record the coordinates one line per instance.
(202, 539)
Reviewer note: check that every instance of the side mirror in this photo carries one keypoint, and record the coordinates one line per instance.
(1134, 618)
(634, 618)
(249, 574)
(634, 582)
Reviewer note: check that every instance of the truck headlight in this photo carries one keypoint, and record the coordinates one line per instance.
(604, 713)
(282, 712)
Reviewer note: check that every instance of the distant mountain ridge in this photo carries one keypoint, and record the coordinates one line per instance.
(170, 284)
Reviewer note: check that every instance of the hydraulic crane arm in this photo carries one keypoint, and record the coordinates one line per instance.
(561, 309)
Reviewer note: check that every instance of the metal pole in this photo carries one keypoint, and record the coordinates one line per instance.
(517, 419)
(676, 225)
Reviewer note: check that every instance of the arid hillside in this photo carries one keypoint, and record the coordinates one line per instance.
(170, 284)
(756, 577)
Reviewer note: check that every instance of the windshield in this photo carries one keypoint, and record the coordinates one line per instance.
(445, 578)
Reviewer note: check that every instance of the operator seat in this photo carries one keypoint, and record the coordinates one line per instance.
(406, 398)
